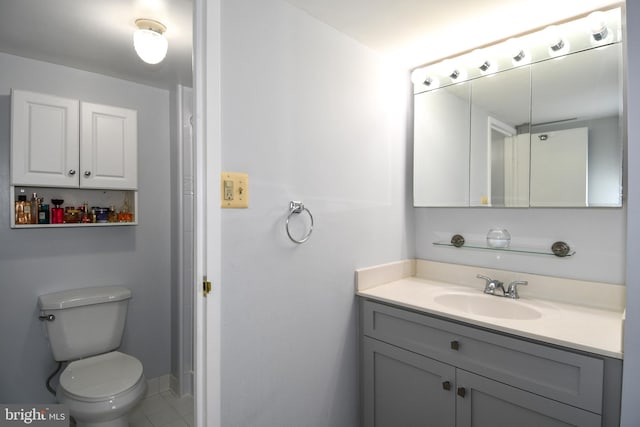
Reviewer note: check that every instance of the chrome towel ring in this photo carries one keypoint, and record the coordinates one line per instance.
(297, 208)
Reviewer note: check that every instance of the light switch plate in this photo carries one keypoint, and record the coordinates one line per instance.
(234, 190)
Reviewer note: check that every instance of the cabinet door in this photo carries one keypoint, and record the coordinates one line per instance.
(483, 402)
(109, 151)
(44, 140)
(405, 389)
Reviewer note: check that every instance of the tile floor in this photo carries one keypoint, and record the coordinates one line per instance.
(163, 409)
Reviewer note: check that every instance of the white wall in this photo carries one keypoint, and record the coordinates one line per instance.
(33, 262)
(631, 376)
(310, 115)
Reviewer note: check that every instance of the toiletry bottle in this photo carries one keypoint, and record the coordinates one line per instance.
(20, 206)
(27, 212)
(43, 214)
(34, 208)
(57, 213)
(113, 216)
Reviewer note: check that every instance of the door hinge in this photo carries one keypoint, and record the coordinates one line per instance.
(206, 286)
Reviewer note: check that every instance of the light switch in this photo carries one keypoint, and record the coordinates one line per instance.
(234, 192)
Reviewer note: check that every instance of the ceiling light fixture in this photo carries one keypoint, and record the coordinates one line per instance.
(149, 41)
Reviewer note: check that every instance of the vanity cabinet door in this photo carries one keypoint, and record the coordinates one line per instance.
(405, 389)
(490, 403)
(109, 149)
(44, 140)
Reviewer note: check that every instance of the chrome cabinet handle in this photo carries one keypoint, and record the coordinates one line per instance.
(72, 172)
(87, 173)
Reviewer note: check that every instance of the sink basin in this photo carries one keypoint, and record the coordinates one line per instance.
(489, 306)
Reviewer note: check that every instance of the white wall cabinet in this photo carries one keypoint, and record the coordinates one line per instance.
(59, 142)
(76, 151)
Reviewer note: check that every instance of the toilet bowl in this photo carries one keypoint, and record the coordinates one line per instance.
(101, 390)
(85, 326)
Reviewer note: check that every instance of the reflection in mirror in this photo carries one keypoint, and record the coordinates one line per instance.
(576, 142)
(441, 146)
(499, 164)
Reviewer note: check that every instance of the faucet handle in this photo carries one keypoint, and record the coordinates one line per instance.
(512, 290)
(491, 284)
(487, 279)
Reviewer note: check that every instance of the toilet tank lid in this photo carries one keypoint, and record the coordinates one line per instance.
(85, 296)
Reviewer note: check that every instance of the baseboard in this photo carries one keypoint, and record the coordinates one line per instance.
(158, 384)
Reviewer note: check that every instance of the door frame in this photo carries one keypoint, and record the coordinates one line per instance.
(207, 239)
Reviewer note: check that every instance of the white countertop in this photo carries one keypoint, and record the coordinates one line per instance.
(591, 329)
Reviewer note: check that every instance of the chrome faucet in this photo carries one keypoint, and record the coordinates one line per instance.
(492, 285)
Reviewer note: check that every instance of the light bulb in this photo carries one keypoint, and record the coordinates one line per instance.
(149, 42)
(600, 34)
(558, 45)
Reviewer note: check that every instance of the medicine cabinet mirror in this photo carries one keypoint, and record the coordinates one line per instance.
(544, 134)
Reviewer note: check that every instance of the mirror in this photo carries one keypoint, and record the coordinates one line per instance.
(499, 165)
(576, 130)
(546, 134)
(441, 159)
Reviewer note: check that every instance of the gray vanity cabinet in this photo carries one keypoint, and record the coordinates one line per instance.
(419, 370)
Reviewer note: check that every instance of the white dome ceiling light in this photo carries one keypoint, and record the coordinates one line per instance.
(149, 41)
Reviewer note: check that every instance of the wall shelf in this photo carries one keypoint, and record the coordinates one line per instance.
(558, 249)
(76, 197)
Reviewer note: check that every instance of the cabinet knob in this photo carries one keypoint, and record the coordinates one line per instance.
(446, 385)
(87, 173)
(72, 172)
(462, 392)
(455, 345)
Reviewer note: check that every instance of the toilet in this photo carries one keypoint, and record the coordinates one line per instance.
(99, 385)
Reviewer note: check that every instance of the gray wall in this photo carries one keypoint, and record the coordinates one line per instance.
(310, 115)
(33, 262)
(631, 378)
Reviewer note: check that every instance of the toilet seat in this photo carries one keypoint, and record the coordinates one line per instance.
(101, 377)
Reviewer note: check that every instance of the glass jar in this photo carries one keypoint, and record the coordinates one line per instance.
(498, 238)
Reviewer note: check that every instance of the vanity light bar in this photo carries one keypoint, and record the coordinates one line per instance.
(596, 29)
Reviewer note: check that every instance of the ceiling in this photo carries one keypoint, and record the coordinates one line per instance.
(96, 35)
(416, 32)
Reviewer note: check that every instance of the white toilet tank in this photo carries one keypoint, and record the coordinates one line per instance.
(86, 321)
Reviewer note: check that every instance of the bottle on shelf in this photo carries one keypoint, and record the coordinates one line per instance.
(57, 212)
(43, 213)
(34, 208)
(21, 203)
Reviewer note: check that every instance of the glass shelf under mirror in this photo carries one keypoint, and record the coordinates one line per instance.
(558, 249)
